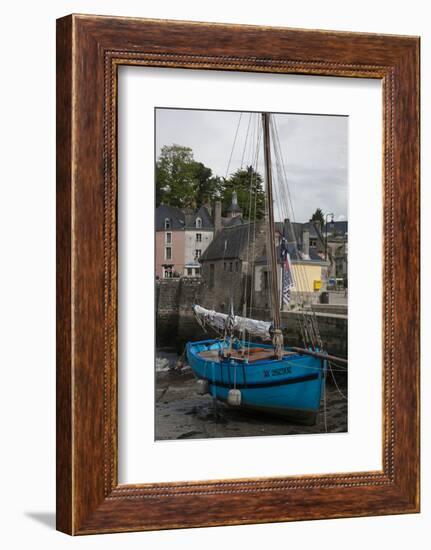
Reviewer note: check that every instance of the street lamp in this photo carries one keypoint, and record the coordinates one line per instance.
(326, 232)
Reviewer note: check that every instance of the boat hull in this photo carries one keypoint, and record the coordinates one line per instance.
(291, 386)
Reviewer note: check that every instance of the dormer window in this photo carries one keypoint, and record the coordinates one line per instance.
(198, 223)
(167, 223)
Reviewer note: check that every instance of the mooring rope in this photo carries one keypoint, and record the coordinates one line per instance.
(335, 382)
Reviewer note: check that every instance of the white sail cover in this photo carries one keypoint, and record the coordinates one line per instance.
(260, 329)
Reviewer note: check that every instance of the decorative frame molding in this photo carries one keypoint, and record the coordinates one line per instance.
(89, 51)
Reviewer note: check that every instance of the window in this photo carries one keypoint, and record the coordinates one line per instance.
(237, 266)
(212, 276)
(198, 223)
(230, 266)
(198, 237)
(167, 223)
(167, 272)
(189, 271)
(225, 266)
(198, 253)
(197, 271)
(168, 238)
(168, 253)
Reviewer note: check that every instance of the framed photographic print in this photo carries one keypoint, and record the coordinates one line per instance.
(237, 274)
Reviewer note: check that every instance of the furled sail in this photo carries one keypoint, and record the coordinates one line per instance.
(253, 327)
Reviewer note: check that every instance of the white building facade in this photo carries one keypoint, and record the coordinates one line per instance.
(195, 244)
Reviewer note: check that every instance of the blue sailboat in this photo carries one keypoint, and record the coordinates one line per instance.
(257, 375)
(248, 375)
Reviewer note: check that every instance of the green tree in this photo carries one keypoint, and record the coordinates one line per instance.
(208, 187)
(183, 182)
(244, 182)
(318, 217)
(175, 179)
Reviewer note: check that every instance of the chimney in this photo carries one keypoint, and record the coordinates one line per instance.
(207, 205)
(306, 244)
(217, 216)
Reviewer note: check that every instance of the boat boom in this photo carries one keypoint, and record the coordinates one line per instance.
(254, 327)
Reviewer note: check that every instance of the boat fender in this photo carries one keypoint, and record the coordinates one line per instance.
(234, 398)
(202, 387)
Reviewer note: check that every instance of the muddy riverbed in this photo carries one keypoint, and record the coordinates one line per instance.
(183, 414)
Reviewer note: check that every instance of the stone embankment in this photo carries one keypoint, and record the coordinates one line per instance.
(176, 324)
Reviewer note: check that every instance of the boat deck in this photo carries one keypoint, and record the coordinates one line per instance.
(252, 354)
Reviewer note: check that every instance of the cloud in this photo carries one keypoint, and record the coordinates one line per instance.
(314, 150)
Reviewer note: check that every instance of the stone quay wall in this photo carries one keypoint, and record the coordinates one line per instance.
(175, 321)
(332, 328)
(176, 324)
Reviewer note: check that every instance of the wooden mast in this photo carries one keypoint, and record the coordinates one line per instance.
(271, 244)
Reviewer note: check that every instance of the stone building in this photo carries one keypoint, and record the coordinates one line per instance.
(199, 232)
(337, 244)
(330, 241)
(235, 267)
(181, 237)
(169, 222)
(227, 262)
(308, 265)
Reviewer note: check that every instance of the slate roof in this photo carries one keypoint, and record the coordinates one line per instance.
(204, 215)
(293, 231)
(234, 208)
(182, 219)
(294, 253)
(175, 215)
(229, 222)
(338, 228)
(230, 242)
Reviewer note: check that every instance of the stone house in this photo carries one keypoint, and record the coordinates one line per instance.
(181, 237)
(235, 268)
(330, 241)
(198, 234)
(308, 265)
(227, 262)
(337, 246)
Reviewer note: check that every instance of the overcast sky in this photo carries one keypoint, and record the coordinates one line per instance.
(314, 150)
